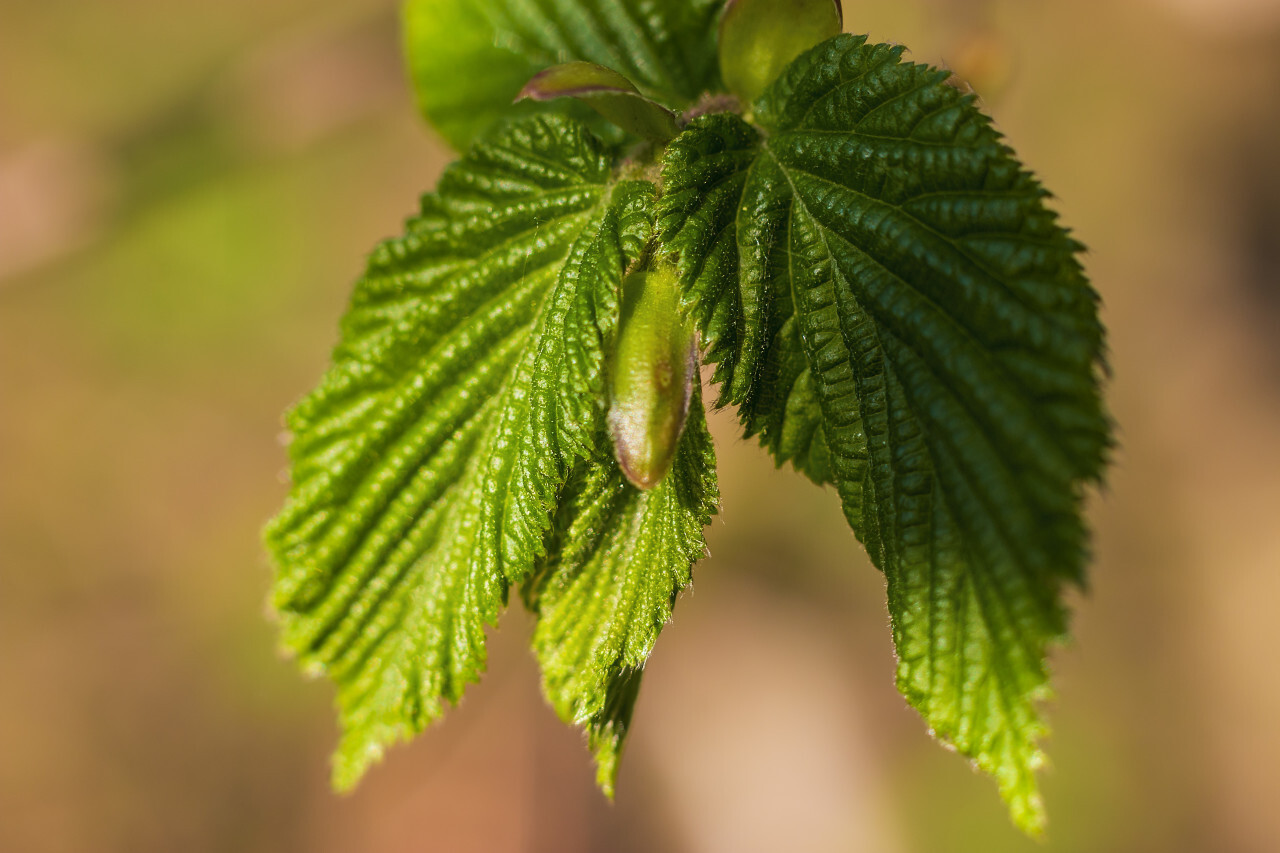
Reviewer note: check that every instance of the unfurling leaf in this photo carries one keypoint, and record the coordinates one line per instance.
(608, 93)
(654, 367)
(759, 38)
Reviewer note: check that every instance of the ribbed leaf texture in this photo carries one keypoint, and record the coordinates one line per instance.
(888, 301)
(609, 584)
(469, 58)
(430, 463)
(896, 311)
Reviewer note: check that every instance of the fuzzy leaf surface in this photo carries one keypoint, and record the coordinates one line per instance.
(469, 58)
(466, 387)
(619, 559)
(896, 311)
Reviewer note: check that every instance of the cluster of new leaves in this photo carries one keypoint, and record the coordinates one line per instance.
(889, 304)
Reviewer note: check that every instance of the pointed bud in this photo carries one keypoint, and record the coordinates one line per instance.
(655, 363)
(759, 38)
(608, 93)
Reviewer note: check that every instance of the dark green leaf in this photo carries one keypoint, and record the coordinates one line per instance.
(895, 310)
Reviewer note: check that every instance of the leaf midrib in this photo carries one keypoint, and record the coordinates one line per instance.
(981, 265)
(935, 491)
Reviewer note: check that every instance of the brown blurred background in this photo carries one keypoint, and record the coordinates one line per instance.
(187, 191)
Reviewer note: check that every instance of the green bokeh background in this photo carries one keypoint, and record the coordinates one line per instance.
(187, 191)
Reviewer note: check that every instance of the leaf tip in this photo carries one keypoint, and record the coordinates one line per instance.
(360, 748)
(349, 765)
(607, 770)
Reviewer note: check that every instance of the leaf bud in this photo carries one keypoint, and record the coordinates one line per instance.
(759, 38)
(651, 376)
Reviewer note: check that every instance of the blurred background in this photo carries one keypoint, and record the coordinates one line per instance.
(187, 191)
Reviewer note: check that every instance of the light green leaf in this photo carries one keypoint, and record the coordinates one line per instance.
(469, 58)
(609, 582)
(759, 38)
(895, 309)
(465, 388)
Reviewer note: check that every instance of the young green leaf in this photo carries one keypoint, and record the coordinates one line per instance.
(759, 38)
(607, 92)
(612, 572)
(896, 311)
(467, 385)
(468, 58)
